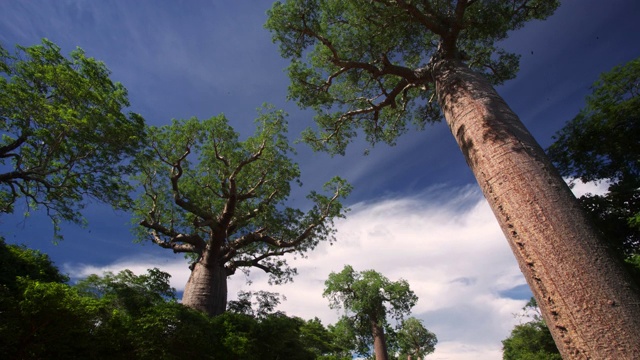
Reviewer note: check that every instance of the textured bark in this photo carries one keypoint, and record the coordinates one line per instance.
(206, 289)
(589, 302)
(379, 341)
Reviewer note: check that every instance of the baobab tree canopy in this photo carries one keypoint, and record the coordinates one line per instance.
(367, 64)
(209, 194)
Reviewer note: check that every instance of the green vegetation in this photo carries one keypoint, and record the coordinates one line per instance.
(602, 143)
(128, 316)
(530, 340)
(64, 135)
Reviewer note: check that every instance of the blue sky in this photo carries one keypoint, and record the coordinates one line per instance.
(416, 210)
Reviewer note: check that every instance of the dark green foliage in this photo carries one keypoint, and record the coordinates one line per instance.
(129, 292)
(128, 316)
(415, 340)
(317, 339)
(365, 65)
(602, 143)
(531, 340)
(170, 330)
(40, 315)
(48, 320)
(64, 135)
(265, 303)
(345, 340)
(19, 261)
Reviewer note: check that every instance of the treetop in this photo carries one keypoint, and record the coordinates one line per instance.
(366, 65)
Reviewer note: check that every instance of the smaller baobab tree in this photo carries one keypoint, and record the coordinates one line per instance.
(414, 340)
(208, 194)
(368, 297)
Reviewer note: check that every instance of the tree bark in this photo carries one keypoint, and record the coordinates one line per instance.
(590, 303)
(206, 289)
(379, 341)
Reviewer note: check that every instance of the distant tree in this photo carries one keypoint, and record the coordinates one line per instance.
(318, 340)
(19, 261)
(531, 340)
(265, 303)
(170, 330)
(376, 66)
(127, 291)
(368, 298)
(602, 143)
(344, 340)
(41, 316)
(64, 135)
(414, 340)
(48, 320)
(209, 194)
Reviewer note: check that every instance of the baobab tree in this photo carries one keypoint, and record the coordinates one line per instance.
(221, 200)
(375, 66)
(368, 298)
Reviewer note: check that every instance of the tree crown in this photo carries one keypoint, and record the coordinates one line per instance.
(64, 133)
(367, 64)
(205, 188)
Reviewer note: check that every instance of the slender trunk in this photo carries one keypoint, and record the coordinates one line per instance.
(379, 341)
(206, 289)
(589, 302)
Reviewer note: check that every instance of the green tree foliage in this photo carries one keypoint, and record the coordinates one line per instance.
(209, 194)
(366, 64)
(64, 135)
(127, 291)
(414, 340)
(602, 143)
(40, 315)
(345, 340)
(265, 303)
(19, 261)
(368, 299)
(531, 340)
(48, 320)
(319, 340)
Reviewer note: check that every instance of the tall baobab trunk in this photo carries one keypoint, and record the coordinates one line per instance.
(206, 289)
(379, 341)
(589, 302)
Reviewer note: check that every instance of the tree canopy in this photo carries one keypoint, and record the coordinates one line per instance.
(602, 143)
(65, 137)
(201, 182)
(414, 340)
(530, 340)
(367, 64)
(222, 201)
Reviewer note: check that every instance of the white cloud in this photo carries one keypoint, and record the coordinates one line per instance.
(445, 242)
(580, 188)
